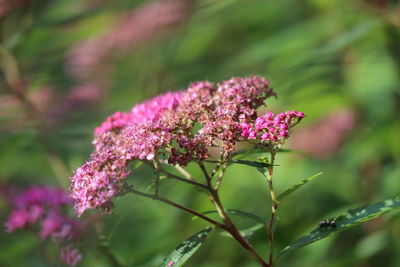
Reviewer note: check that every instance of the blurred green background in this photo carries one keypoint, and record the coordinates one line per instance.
(77, 62)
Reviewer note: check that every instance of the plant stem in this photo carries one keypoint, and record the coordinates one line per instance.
(274, 207)
(193, 182)
(176, 205)
(156, 165)
(184, 172)
(218, 165)
(220, 176)
(177, 177)
(228, 225)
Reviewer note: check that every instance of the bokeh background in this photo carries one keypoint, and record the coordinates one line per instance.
(67, 64)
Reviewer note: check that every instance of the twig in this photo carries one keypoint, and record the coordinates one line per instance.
(183, 172)
(229, 226)
(156, 165)
(193, 182)
(176, 205)
(274, 206)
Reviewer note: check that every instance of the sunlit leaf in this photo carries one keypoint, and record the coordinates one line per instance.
(344, 221)
(297, 186)
(186, 249)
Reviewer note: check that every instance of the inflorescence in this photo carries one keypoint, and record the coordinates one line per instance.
(178, 127)
(42, 205)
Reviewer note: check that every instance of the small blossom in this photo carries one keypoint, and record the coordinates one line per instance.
(58, 227)
(17, 220)
(272, 128)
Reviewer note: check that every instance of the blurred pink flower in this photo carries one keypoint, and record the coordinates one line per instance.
(42, 205)
(76, 99)
(84, 94)
(70, 255)
(58, 227)
(325, 137)
(18, 219)
(86, 59)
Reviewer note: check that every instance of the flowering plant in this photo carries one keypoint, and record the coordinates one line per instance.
(178, 128)
(42, 205)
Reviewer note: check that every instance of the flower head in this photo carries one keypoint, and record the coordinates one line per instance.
(41, 205)
(179, 127)
(272, 128)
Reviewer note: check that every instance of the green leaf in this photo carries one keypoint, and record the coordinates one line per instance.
(186, 249)
(297, 186)
(240, 213)
(344, 221)
(250, 163)
(248, 233)
(246, 152)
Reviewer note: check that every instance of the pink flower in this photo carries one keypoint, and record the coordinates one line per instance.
(31, 204)
(86, 59)
(42, 205)
(58, 227)
(17, 220)
(178, 125)
(70, 255)
(272, 128)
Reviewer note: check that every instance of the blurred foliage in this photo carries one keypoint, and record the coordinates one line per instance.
(319, 55)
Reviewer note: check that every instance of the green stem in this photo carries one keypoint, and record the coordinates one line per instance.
(173, 176)
(177, 177)
(274, 207)
(156, 165)
(220, 176)
(228, 225)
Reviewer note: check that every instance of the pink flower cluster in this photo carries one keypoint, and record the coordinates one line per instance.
(43, 205)
(178, 127)
(142, 24)
(271, 127)
(34, 204)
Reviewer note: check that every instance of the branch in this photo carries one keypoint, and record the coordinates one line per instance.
(193, 182)
(176, 205)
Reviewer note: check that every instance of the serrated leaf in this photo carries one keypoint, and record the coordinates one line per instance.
(250, 163)
(347, 220)
(186, 249)
(297, 186)
(240, 213)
